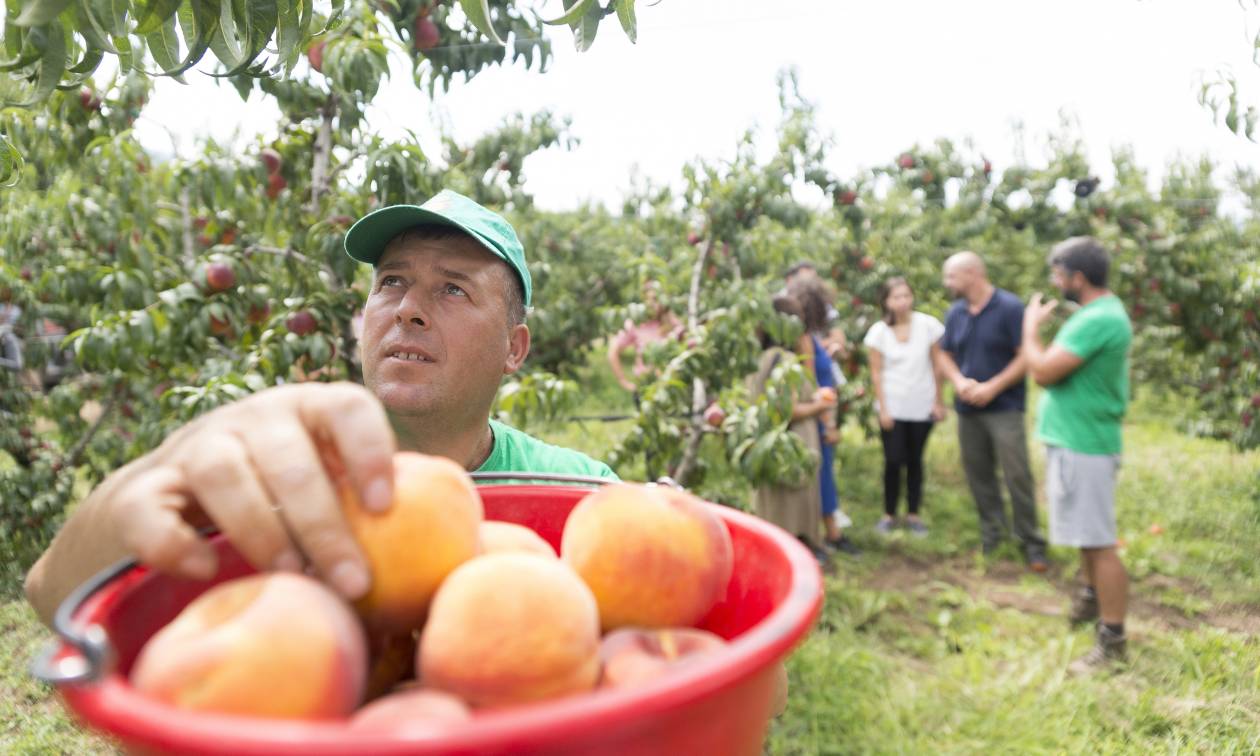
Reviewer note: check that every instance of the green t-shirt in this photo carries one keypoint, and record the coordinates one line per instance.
(516, 451)
(1083, 411)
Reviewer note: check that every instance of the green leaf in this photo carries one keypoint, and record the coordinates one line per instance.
(625, 14)
(164, 45)
(224, 41)
(572, 14)
(478, 11)
(259, 21)
(334, 15)
(198, 20)
(41, 12)
(155, 16)
(91, 59)
(123, 45)
(584, 30)
(89, 25)
(52, 64)
(288, 35)
(10, 163)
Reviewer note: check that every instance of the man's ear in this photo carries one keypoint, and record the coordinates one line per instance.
(518, 348)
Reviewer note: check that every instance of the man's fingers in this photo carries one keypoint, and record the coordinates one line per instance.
(308, 503)
(354, 422)
(222, 476)
(150, 525)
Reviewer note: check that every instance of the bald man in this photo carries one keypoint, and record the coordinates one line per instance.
(981, 355)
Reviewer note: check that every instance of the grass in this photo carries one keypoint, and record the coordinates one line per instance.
(925, 647)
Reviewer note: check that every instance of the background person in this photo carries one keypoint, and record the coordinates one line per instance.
(793, 508)
(1086, 375)
(904, 351)
(814, 297)
(981, 355)
(660, 326)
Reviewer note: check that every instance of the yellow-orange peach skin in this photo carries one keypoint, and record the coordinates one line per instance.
(653, 556)
(271, 645)
(508, 536)
(431, 528)
(510, 628)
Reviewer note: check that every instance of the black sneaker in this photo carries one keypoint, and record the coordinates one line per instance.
(844, 545)
(1109, 650)
(1084, 607)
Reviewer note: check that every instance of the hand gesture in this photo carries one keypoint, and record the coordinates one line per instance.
(1037, 312)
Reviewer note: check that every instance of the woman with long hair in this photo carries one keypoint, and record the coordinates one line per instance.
(793, 508)
(903, 355)
(815, 297)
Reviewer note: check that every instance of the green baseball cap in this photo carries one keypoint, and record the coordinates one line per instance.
(366, 239)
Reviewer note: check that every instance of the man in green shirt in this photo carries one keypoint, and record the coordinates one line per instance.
(1085, 372)
(444, 322)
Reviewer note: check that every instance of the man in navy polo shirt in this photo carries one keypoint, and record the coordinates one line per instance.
(980, 355)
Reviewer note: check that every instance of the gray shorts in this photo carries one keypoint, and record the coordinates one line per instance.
(1081, 489)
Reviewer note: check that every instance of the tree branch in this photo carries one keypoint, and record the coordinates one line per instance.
(76, 453)
(695, 431)
(320, 176)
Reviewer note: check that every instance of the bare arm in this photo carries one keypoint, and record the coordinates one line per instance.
(614, 363)
(1046, 366)
(947, 368)
(876, 360)
(255, 469)
(938, 405)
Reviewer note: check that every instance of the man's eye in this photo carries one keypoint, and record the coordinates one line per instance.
(454, 290)
(390, 281)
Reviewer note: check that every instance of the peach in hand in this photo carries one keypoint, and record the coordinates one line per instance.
(430, 529)
(654, 556)
(510, 628)
(270, 645)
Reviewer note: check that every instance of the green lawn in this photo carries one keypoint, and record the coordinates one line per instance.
(923, 647)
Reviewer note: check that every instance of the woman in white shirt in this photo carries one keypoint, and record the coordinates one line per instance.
(903, 350)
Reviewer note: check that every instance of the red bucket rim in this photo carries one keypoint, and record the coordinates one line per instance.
(113, 706)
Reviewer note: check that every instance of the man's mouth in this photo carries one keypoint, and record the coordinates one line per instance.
(409, 357)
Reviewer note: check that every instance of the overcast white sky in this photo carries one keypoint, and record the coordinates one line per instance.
(883, 74)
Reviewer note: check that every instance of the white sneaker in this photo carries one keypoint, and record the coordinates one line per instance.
(841, 519)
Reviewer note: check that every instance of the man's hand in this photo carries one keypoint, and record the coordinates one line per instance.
(982, 394)
(886, 421)
(965, 388)
(256, 470)
(939, 411)
(1037, 312)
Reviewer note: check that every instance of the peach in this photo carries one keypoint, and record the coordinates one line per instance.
(507, 536)
(654, 556)
(430, 529)
(510, 628)
(413, 711)
(271, 645)
(634, 655)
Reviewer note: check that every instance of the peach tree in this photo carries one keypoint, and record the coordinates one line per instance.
(145, 292)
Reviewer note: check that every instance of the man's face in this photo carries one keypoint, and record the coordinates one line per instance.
(805, 273)
(1068, 284)
(436, 339)
(956, 278)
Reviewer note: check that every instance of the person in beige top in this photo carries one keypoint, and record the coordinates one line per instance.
(793, 508)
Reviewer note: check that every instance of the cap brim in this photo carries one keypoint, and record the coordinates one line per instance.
(366, 239)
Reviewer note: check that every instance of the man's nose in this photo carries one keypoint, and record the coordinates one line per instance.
(412, 309)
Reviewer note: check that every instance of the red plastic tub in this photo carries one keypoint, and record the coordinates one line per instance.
(719, 705)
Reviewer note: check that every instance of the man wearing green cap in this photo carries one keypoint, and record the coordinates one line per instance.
(444, 322)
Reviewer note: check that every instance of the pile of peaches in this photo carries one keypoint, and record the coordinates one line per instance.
(463, 614)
